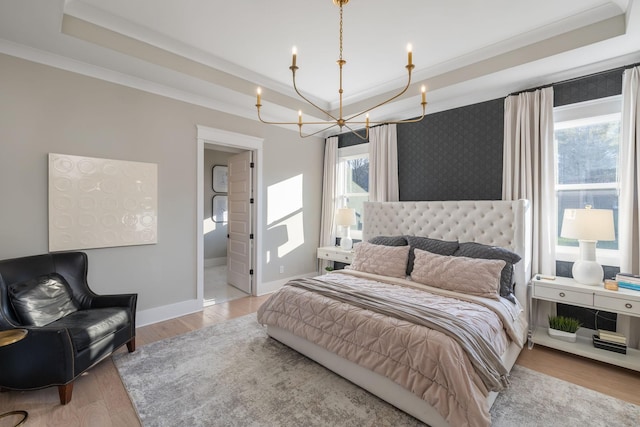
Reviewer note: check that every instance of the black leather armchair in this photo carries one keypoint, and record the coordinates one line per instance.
(56, 353)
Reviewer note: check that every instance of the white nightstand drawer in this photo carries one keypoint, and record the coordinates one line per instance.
(563, 295)
(335, 254)
(618, 305)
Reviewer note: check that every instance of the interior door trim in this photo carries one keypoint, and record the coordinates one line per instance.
(210, 138)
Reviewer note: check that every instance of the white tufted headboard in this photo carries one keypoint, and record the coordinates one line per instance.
(493, 222)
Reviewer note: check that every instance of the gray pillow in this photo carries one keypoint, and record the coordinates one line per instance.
(42, 300)
(389, 240)
(440, 247)
(478, 250)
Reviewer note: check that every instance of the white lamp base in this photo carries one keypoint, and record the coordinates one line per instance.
(346, 243)
(586, 270)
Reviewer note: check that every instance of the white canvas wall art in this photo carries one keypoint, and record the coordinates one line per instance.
(97, 203)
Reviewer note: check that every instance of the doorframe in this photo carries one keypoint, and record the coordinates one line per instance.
(208, 137)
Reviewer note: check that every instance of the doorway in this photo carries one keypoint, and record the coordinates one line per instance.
(224, 280)
(215, 140)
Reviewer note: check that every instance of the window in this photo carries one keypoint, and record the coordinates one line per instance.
(587, 138)
(353, 182)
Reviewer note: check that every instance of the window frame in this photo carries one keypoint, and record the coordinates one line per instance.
(569, 116)
(348, 153)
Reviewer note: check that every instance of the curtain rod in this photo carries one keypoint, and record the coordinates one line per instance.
(573, 79)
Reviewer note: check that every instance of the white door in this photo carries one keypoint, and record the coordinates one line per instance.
(239, 244)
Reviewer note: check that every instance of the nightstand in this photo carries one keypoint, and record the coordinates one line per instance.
(544, 293)
(336, 254)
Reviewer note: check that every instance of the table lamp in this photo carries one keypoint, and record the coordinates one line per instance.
(588, 226)
(346, 217)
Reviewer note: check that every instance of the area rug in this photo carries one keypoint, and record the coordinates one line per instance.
(233, 374)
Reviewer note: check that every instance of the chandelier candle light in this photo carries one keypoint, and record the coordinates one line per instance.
(350, 122)
(588, 226)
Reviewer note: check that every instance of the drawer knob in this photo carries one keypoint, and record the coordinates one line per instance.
(628, 305)
(562, 294)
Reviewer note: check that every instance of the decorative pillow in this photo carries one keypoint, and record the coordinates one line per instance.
(479, 250)
(389, 240)
(474, 276)
(388, 261)
(42, 300)
(440, 247)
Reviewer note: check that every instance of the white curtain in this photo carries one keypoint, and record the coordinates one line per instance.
(529, 169)
(383, 164)
(628, 220)
(327, 220)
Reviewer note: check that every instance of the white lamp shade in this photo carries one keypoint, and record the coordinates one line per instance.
(346, 217)
(588, 224)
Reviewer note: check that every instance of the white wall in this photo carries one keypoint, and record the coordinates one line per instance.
(44, 109)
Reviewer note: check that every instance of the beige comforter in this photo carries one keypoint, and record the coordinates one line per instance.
(425, 361)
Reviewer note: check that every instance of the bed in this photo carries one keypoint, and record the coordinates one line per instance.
(350, 322)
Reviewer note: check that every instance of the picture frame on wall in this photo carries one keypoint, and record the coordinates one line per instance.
(219, 179)
(219, 208)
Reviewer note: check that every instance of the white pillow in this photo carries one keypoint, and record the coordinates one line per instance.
(474, 276)
(388, 261)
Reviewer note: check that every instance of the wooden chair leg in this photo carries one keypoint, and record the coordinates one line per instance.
(64, 391)
(131, 345)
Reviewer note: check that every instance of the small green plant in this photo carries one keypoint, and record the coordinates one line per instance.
(565, 324)
(329, 268)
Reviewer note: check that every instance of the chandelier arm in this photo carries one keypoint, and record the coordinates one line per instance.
(317, 132)
(273, 123)
(383, 102)
(409, 120)
(330, 124)
(353, 131)
(415, 120)
(295, 87)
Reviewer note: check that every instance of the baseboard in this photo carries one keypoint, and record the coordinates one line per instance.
(166, 312)
(171, 311)
(269, 287)
(214, 262)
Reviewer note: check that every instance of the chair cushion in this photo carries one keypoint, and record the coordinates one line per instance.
(89, 326)
(42, 300)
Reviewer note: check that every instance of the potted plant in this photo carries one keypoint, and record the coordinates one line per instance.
(563, 328)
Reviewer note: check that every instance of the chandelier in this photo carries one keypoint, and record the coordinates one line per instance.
(349, 122)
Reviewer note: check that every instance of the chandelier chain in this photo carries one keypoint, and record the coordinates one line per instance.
(340, 31)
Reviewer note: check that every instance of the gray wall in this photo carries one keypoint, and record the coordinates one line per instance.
(44, 109)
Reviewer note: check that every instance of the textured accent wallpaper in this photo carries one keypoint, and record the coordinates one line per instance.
(588, 88)
(453, 155)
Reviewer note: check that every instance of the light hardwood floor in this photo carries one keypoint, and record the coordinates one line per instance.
(99, 398)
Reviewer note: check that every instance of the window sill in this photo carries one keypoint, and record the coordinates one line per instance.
(610, 257)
